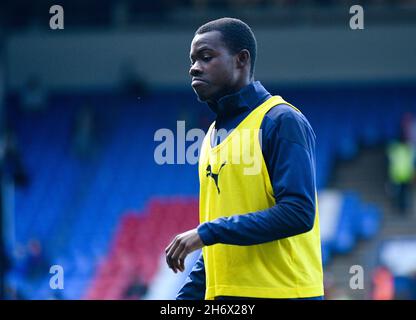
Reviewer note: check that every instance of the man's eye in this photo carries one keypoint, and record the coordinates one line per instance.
(206, 59)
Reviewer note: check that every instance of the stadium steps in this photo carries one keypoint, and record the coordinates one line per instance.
(138, 244)
(367, 174)
(65, 228)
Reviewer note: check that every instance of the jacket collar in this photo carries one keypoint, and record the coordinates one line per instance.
(244, 100)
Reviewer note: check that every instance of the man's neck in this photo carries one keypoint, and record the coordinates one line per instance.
(232, 90)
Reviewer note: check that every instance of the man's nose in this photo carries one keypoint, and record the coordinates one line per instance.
(195, 70)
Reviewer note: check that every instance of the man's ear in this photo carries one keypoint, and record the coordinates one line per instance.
(243, 58)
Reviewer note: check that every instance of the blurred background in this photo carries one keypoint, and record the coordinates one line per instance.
(79, 108)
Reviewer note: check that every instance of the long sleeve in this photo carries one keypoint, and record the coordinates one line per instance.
(289, 152)
(194, 286)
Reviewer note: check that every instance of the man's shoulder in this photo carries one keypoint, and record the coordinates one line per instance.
(287, 121)
(284, 112)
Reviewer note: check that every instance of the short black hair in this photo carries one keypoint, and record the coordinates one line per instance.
(236, 34)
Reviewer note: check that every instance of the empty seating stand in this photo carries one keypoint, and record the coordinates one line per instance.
(75, 207)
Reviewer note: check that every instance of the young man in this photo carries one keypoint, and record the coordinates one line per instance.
(259, 228)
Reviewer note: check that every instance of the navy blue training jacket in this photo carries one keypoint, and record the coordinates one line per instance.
(288, 146)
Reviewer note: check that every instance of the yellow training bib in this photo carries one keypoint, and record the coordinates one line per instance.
(234, 180)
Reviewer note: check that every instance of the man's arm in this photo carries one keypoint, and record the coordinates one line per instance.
(289, 152)
(194, 287)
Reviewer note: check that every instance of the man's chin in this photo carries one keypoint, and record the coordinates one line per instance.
(201, 97)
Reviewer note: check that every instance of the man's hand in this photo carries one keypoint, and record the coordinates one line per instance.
(182, 245)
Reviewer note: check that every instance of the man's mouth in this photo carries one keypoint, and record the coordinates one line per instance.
(198, 82)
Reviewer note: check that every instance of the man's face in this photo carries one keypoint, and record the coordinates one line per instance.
(212, 71)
